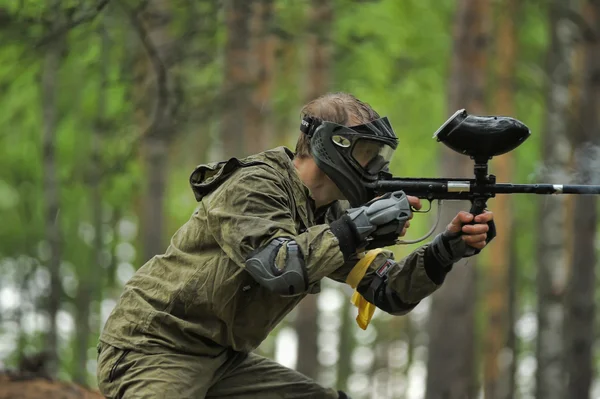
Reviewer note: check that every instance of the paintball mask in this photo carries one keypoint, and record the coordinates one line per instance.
(351, 156)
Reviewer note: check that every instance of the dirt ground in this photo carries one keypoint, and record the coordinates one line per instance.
(13, 386)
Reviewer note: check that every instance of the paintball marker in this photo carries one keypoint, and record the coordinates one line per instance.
(480, 138)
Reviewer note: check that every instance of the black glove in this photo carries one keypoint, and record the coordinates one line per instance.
(376, 224)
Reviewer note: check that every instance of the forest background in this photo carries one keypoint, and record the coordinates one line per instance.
(106, 106)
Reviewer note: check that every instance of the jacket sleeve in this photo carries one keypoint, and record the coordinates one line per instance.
(334, 213)
(394, 287)
(253, 207)
(397, 287)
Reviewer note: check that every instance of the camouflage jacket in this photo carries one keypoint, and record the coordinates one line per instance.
(197, 297)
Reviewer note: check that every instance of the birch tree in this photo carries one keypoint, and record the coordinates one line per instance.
(552, 253)
(580, 312)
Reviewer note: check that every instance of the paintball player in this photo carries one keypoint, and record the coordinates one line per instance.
(268, 229)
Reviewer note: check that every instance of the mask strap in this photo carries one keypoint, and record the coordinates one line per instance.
(308, 125)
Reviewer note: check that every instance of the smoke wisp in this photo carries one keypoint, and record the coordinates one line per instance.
(585, 168)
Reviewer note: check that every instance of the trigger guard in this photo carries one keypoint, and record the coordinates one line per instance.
(414, 210)
(431, 231)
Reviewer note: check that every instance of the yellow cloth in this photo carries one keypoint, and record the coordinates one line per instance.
(365, 309)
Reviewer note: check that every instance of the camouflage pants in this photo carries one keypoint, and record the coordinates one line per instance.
(129, 374)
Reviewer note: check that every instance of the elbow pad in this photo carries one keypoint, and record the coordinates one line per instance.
(291, 280)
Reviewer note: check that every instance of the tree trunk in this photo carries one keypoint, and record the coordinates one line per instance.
(261, 62)
(497, 355)
(451, 358)
(235, 95)
(89, 290)
(157, 105)
(508, 378)
(552, 252)
(320, 20)
(50, 69)
(344, 366)
(580, 294)
(380, 374)
(100, 129)
(82, 332)
(155, 152)
(308, 331)
(320, 14)
(111, 270)
(289, 57)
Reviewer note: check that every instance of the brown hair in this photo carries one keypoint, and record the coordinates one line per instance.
(341, 108)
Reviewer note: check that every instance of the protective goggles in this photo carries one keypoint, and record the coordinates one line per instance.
(372, 156)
